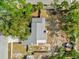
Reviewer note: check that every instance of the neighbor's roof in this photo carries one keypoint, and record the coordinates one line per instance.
(47, 2)
(43, 1)
(3, 47)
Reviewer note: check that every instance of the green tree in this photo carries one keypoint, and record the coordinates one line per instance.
(71, 20)
(74, 5)
(70, 24)
(64, 5)
(16, 18)
(60, 55)
(73, 54)
(39, 7)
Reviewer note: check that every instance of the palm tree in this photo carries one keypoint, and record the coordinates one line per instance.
(39, 7)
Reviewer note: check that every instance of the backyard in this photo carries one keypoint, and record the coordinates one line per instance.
(62, 28)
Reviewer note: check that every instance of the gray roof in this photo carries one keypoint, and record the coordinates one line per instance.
(43, 1)
(47, 2)
(38, 27)
(3, 48)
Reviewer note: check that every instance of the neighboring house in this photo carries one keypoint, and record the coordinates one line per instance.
(38, 35)
(3, 48)
(46, 2)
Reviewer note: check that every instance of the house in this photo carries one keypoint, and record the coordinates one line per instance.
(38, 35)
(3, 48)
(46, 2)
(37, 41)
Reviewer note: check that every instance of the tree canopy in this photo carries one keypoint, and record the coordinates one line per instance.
(71, 20)
(69, 17)
(73, 54)
(15, 17)
(40, 5)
